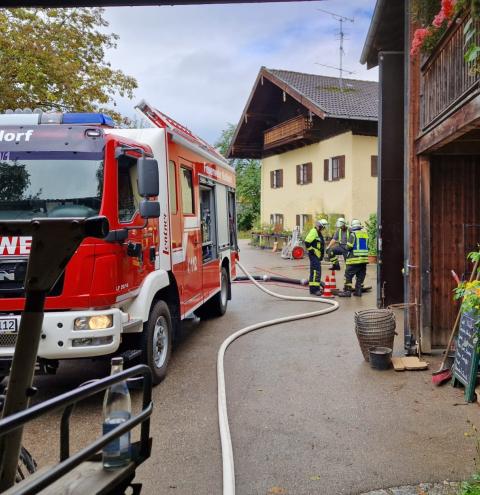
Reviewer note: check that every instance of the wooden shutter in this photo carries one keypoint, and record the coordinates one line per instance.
(374, 166)
(280, 178)
(341, 174)
(272, 173)
(299, 171)
(271, 219)
(325, 169)
(309, 172)
(297, 220)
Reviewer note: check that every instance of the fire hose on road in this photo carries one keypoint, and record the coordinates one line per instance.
(225, 438)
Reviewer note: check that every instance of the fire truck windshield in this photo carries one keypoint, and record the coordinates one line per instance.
(34, 185)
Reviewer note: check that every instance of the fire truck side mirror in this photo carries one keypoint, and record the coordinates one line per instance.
(149, 209)
(148, 184)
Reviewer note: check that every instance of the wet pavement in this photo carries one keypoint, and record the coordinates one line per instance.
(307, 413)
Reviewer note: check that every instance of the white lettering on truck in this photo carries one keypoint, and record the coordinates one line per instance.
(15, 246)
(16, 136)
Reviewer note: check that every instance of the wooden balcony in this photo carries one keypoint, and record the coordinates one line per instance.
(287, 132)
(448, 81)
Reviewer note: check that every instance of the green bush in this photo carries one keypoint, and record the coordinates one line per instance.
(372, 230)
(471, 487)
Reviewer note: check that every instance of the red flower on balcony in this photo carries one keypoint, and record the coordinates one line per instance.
(446, 12)
(418, 38)
(421, 35)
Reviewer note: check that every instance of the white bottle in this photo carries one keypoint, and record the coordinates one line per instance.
(116, 410)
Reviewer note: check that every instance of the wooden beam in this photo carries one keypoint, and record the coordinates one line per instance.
(459, 148)
(308, 104)
(465, 119)
(426, 263)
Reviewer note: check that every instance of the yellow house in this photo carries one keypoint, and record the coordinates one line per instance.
(317, 139)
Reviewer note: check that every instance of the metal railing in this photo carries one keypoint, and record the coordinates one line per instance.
(447, 79)
(67, 401)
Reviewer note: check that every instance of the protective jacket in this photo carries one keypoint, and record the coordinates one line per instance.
(358, 247)
(315, 243)
(340, 235)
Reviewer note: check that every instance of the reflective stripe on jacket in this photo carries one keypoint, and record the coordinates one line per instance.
(358, 246)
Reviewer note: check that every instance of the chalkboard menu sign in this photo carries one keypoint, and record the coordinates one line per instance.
(465, 368)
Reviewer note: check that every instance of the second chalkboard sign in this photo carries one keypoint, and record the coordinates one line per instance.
(465, 367)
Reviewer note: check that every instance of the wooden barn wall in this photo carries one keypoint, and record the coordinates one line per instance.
(455, 202)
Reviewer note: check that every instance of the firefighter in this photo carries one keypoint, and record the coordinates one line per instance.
(357, 258)
(315, 244)
(338, 245)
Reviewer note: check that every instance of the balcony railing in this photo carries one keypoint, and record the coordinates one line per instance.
(290, 130)
(448, 80)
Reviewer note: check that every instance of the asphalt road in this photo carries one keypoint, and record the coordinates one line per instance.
(308, 415)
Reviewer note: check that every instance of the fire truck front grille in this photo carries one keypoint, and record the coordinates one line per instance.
(8, 339)
(16, 289)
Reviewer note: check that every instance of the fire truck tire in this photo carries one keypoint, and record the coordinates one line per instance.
(157, 341)
(217, 305)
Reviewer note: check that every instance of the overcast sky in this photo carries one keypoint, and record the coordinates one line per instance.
(198, 63)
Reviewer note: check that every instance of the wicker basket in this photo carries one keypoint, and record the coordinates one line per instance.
(374, 327)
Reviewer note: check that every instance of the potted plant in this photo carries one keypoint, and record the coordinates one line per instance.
(372, 237)
(469, 292)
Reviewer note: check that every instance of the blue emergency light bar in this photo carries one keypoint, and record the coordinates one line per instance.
(88, 119)
(38, 117)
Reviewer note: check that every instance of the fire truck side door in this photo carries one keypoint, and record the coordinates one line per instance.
(192, 241)
(135, 261)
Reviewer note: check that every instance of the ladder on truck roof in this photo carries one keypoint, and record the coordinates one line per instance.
(159, 119)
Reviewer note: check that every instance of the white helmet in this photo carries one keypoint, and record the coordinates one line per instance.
(319, 223)
(340, 222)
(324, 222)
(356, 224)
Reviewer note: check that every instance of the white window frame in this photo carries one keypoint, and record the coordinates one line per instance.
(276, 174)
(275, 219)
(331, 178)
(303, 173)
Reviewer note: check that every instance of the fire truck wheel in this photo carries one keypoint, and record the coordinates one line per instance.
(157, 341)
(217, 305)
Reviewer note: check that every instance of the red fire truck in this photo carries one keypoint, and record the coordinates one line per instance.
(170, 201)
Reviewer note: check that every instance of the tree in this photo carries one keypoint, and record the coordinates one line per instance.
(56, 58)
(248, 182)
(14, 181)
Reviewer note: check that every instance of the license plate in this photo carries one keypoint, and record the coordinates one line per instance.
(8, 325)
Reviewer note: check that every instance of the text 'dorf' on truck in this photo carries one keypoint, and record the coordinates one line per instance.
(170, 201)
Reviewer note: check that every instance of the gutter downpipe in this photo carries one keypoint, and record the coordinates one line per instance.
(409, 341)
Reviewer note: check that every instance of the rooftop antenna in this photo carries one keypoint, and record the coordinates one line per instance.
(341, 19)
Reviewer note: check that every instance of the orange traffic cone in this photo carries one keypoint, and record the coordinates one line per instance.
(328, 290)
(333, 281)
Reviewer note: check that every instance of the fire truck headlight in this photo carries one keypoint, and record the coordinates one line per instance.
(98, 322)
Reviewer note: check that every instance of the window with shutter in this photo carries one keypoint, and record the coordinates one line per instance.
(374, 166)
(276, 179)
(336, 168)
(304, 173)
(335, 173)
(297, 221)
(326, 169)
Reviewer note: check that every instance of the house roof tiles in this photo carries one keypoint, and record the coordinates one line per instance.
(358, 100)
